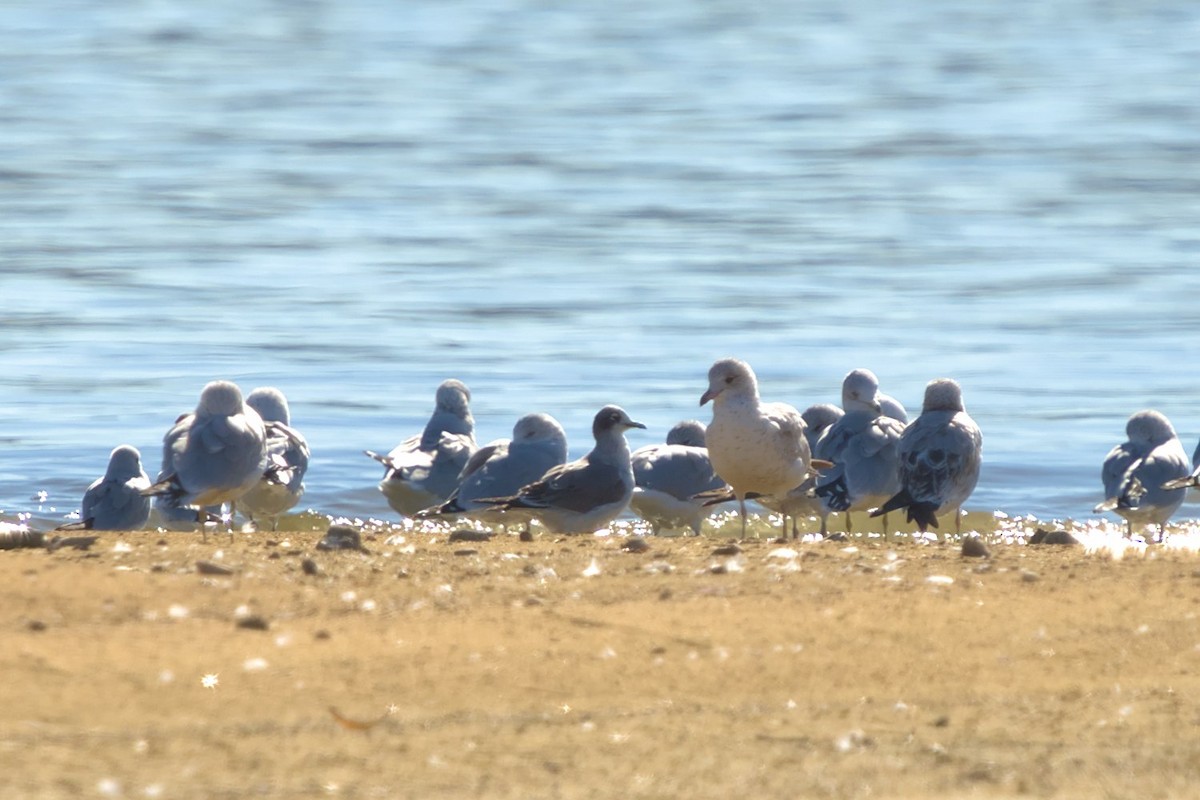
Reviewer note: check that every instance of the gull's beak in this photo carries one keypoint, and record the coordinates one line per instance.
(632, 424)
(709, 395)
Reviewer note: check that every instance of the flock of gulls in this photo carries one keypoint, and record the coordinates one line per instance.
(862, 457)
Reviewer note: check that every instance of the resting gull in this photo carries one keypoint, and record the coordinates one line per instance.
(282, 483)
(502, 467)
(586, 495)
(1145, 478)
(215, 454)
(863, 446)
(423, 469)
(669, 476)
(940, 453)
(756, 447)
(115, 502)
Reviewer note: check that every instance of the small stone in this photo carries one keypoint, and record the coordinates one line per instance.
(322, 635)
(1059, 537)
(253, 622)
(1029, 576)
(35, 625)
(526, 535)
(341, 537)
(730, 549)
(310, 567)
(467, 535)
(209, 568)
(466, 551)
(973, 547)
(636, 545)
(836, 536)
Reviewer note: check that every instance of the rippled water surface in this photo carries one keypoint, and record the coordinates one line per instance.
(571, 204)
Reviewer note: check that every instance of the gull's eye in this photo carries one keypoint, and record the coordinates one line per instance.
(728, 379)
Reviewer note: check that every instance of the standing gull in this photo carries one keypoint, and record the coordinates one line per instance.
(756, 447)
(1145, 478)
(424, 468)
(282, 483)
(668, 476)
(115, 502)
(586, 495)
(863, 446)
(502, 467)
(215, 454)
(940, 454)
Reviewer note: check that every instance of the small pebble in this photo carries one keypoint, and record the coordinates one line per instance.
(253, 622)
(310, 567)
(469, 536)
(209, 568)
(636, 545)
(466, 551)
(341, 537)
(730, 549)
(973, 547)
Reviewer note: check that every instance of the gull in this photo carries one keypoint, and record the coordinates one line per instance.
(424, 468)
(817, 419)
(863, 446)
(502, 467)
(1145, 478)
(940, 454)
(115, 502)
(667, 478)
(585, 495)
(215, 454)
(756, 447)
(282, 483)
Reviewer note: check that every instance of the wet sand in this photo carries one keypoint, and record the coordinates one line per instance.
(569, 667)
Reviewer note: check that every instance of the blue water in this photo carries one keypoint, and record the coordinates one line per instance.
(571, 204)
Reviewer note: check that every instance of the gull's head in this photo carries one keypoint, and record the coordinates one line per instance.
(124, 461)
(270, 404)
(891, 407)
(454, 396)
(690, 432)
(860, 390)
(612, 418)
(820, 416)
(1150, 427)
(730, 376)
(538, 428)
(220, 399)
(943, 394)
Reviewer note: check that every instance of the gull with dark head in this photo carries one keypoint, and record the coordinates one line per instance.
(115, 501)
(585, 495)
(1146, 477)
(502, 467)
(215, 454)
(756, 447)
(940, 454)
(423, 469)
(669, 476)
(282, 483)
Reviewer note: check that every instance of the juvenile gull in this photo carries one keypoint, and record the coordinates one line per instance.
(940, 454)
(1145, 477)
(215, 454)
(423, 469)
(756, 447)
(584, 495)
(668, 476)
(115, 502)
(282, 483)
(864, 448)
(502, 467)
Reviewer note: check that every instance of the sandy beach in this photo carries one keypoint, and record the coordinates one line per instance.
(162, 665)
